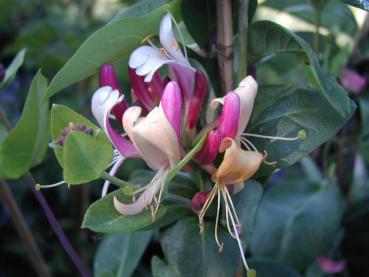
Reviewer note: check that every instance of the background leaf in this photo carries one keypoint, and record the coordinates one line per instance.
(283, 110)
(121, 253)
(12, 69)
(194, 254)
(362, 4)
(268, 267)
(335, 16)
(296, 221)
(26, 144)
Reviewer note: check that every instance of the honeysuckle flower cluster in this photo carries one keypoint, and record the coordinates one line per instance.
(163, 121)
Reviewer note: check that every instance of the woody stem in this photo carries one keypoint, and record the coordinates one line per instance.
(225, 44)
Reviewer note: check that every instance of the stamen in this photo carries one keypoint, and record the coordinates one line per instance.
(245, 144)
(39, 186)
(239, 243)
(301, 135)
(216, 223)
(147, 39)
(232, 206)
(227, 214)
(250, 143)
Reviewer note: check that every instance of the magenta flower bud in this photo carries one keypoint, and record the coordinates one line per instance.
(229, 119)
(193, 113)
(330, 266)
(197, 101)
(140, 90)
(353, 81)
(108, 77)
(198, 200)
(210, 150)
(171, 102)
(156, 87)
(201, 86)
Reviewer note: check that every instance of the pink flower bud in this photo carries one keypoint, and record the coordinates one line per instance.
(330, 266)
(353, 81)
(197, 101)
(198, 200)
(209, 151)
(171, 102)
(229, 119)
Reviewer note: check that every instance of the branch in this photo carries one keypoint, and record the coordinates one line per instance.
(243, 25)
(225, 44)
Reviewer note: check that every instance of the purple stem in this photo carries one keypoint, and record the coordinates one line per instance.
(57, 228)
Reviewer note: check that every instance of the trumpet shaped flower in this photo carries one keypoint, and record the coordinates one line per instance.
(157, 139)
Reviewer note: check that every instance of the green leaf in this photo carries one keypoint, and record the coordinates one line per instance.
(141, 8)
(113, 42)
(161, 269)
(246, 203)
(12, 69)
(296, 221)
(362, 4)
(121, 253)
(268, 267)
(102, 217)
(193, 254)
(364, 132)
(335, 16)
(284, 110)
(26, 144)
(61, 116)
(85, 156)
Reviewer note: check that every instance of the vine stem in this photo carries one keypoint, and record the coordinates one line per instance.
(49, 214)
(23, 231)
(225, 44)
(243, 26)
(57, 228)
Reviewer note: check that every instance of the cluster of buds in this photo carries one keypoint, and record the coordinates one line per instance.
(163, 121)
(73, 127)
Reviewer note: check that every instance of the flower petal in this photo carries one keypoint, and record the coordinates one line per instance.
(229, 119)
(237, 165)
(103, 100)
(145, 198)
(247, 90)
(171, 103)
(140, 90)
(168, 40)
(153, 136)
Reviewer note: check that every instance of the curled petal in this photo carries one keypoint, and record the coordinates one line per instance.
(209, 151)
(229, 119)
(107, 77)
(168, 40)
(153, 136)
(103, 100)
(145, 198)
(237, 165)
(247, 90)
(171, 103)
